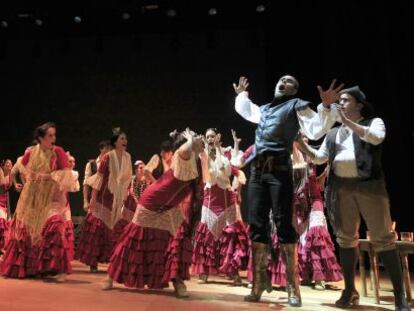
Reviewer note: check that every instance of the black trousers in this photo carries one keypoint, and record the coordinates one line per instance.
(271, 190)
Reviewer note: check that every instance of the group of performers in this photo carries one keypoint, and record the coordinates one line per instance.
(180, 212)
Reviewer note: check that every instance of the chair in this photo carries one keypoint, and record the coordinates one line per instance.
(404, 248)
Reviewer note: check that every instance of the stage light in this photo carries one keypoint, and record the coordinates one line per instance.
(260, 8)
(4, 24)
(38, 22)
(171, 13)
(212, 12)
(126, 16)
(77, 19)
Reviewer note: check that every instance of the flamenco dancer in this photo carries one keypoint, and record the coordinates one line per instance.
(110, 190)
(156, 246)
(5, 184)
(37, 245)
(221, 242)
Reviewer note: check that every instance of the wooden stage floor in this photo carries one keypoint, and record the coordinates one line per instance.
(82, 291)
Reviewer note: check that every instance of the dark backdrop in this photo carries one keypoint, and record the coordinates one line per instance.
(153, 74)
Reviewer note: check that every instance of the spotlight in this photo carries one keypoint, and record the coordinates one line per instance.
(260, 8)
(38, 22)
(4, 24)
(126, 16)
(77, 19)
(171, 13)
(212, 12)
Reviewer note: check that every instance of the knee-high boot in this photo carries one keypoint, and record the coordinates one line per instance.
(348, 259)
(290, 256)
(392, 264)
(260, 279)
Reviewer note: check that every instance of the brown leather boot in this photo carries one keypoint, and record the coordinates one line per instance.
(260, 279)
(290, 257)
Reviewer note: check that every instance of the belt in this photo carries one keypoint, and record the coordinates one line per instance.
(271, 163)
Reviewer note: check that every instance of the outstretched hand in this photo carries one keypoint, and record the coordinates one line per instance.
(331, 95)
(217, 141)
(242, 86)
(187, 134)
(235, 138)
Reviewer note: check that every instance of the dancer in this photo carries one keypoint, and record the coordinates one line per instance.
(110, 189)
(91, 169)
(69, 227)
(140, 181)
(270, 184)
(160, 163)
(36, 245)
(156, 247)
(221, 241)
(5, 184)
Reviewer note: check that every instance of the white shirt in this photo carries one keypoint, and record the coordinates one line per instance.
(314, 125)
(154, 162)
(88, 169)
(217, 171)
(344, 163)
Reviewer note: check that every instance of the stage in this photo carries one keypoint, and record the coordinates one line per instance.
(82, 291)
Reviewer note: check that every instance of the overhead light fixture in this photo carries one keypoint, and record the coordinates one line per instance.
(24, 15)
(126, 16)
(212, 12)
(171, 13)
(149, 7)
(260, 8)
(77, 19)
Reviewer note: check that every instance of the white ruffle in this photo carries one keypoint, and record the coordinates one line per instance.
(94, 181)
(236, 158)
(169, 220)
(184, 170)
(216, 223)
(65, 180)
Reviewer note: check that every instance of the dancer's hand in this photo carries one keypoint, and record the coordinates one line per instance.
(331, 95)
(187, 134)
(86, 206)
(217, 141)
(235, 138)
(18, 187)
(242, 86)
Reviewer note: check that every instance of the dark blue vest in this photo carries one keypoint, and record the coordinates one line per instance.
(278, 128)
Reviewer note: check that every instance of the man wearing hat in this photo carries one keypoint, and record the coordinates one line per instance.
(356, 186)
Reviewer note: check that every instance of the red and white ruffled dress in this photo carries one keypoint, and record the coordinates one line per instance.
(317, 260)
(112, 181)
(221, 242)
(4, 210)
(156, 247)
(67, 215)
(37, 243)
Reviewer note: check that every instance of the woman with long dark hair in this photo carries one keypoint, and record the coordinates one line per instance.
(155, 248)
(36, 245)
(110, 189)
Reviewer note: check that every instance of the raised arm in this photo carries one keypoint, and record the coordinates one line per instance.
(243, 105)
(315, 125)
